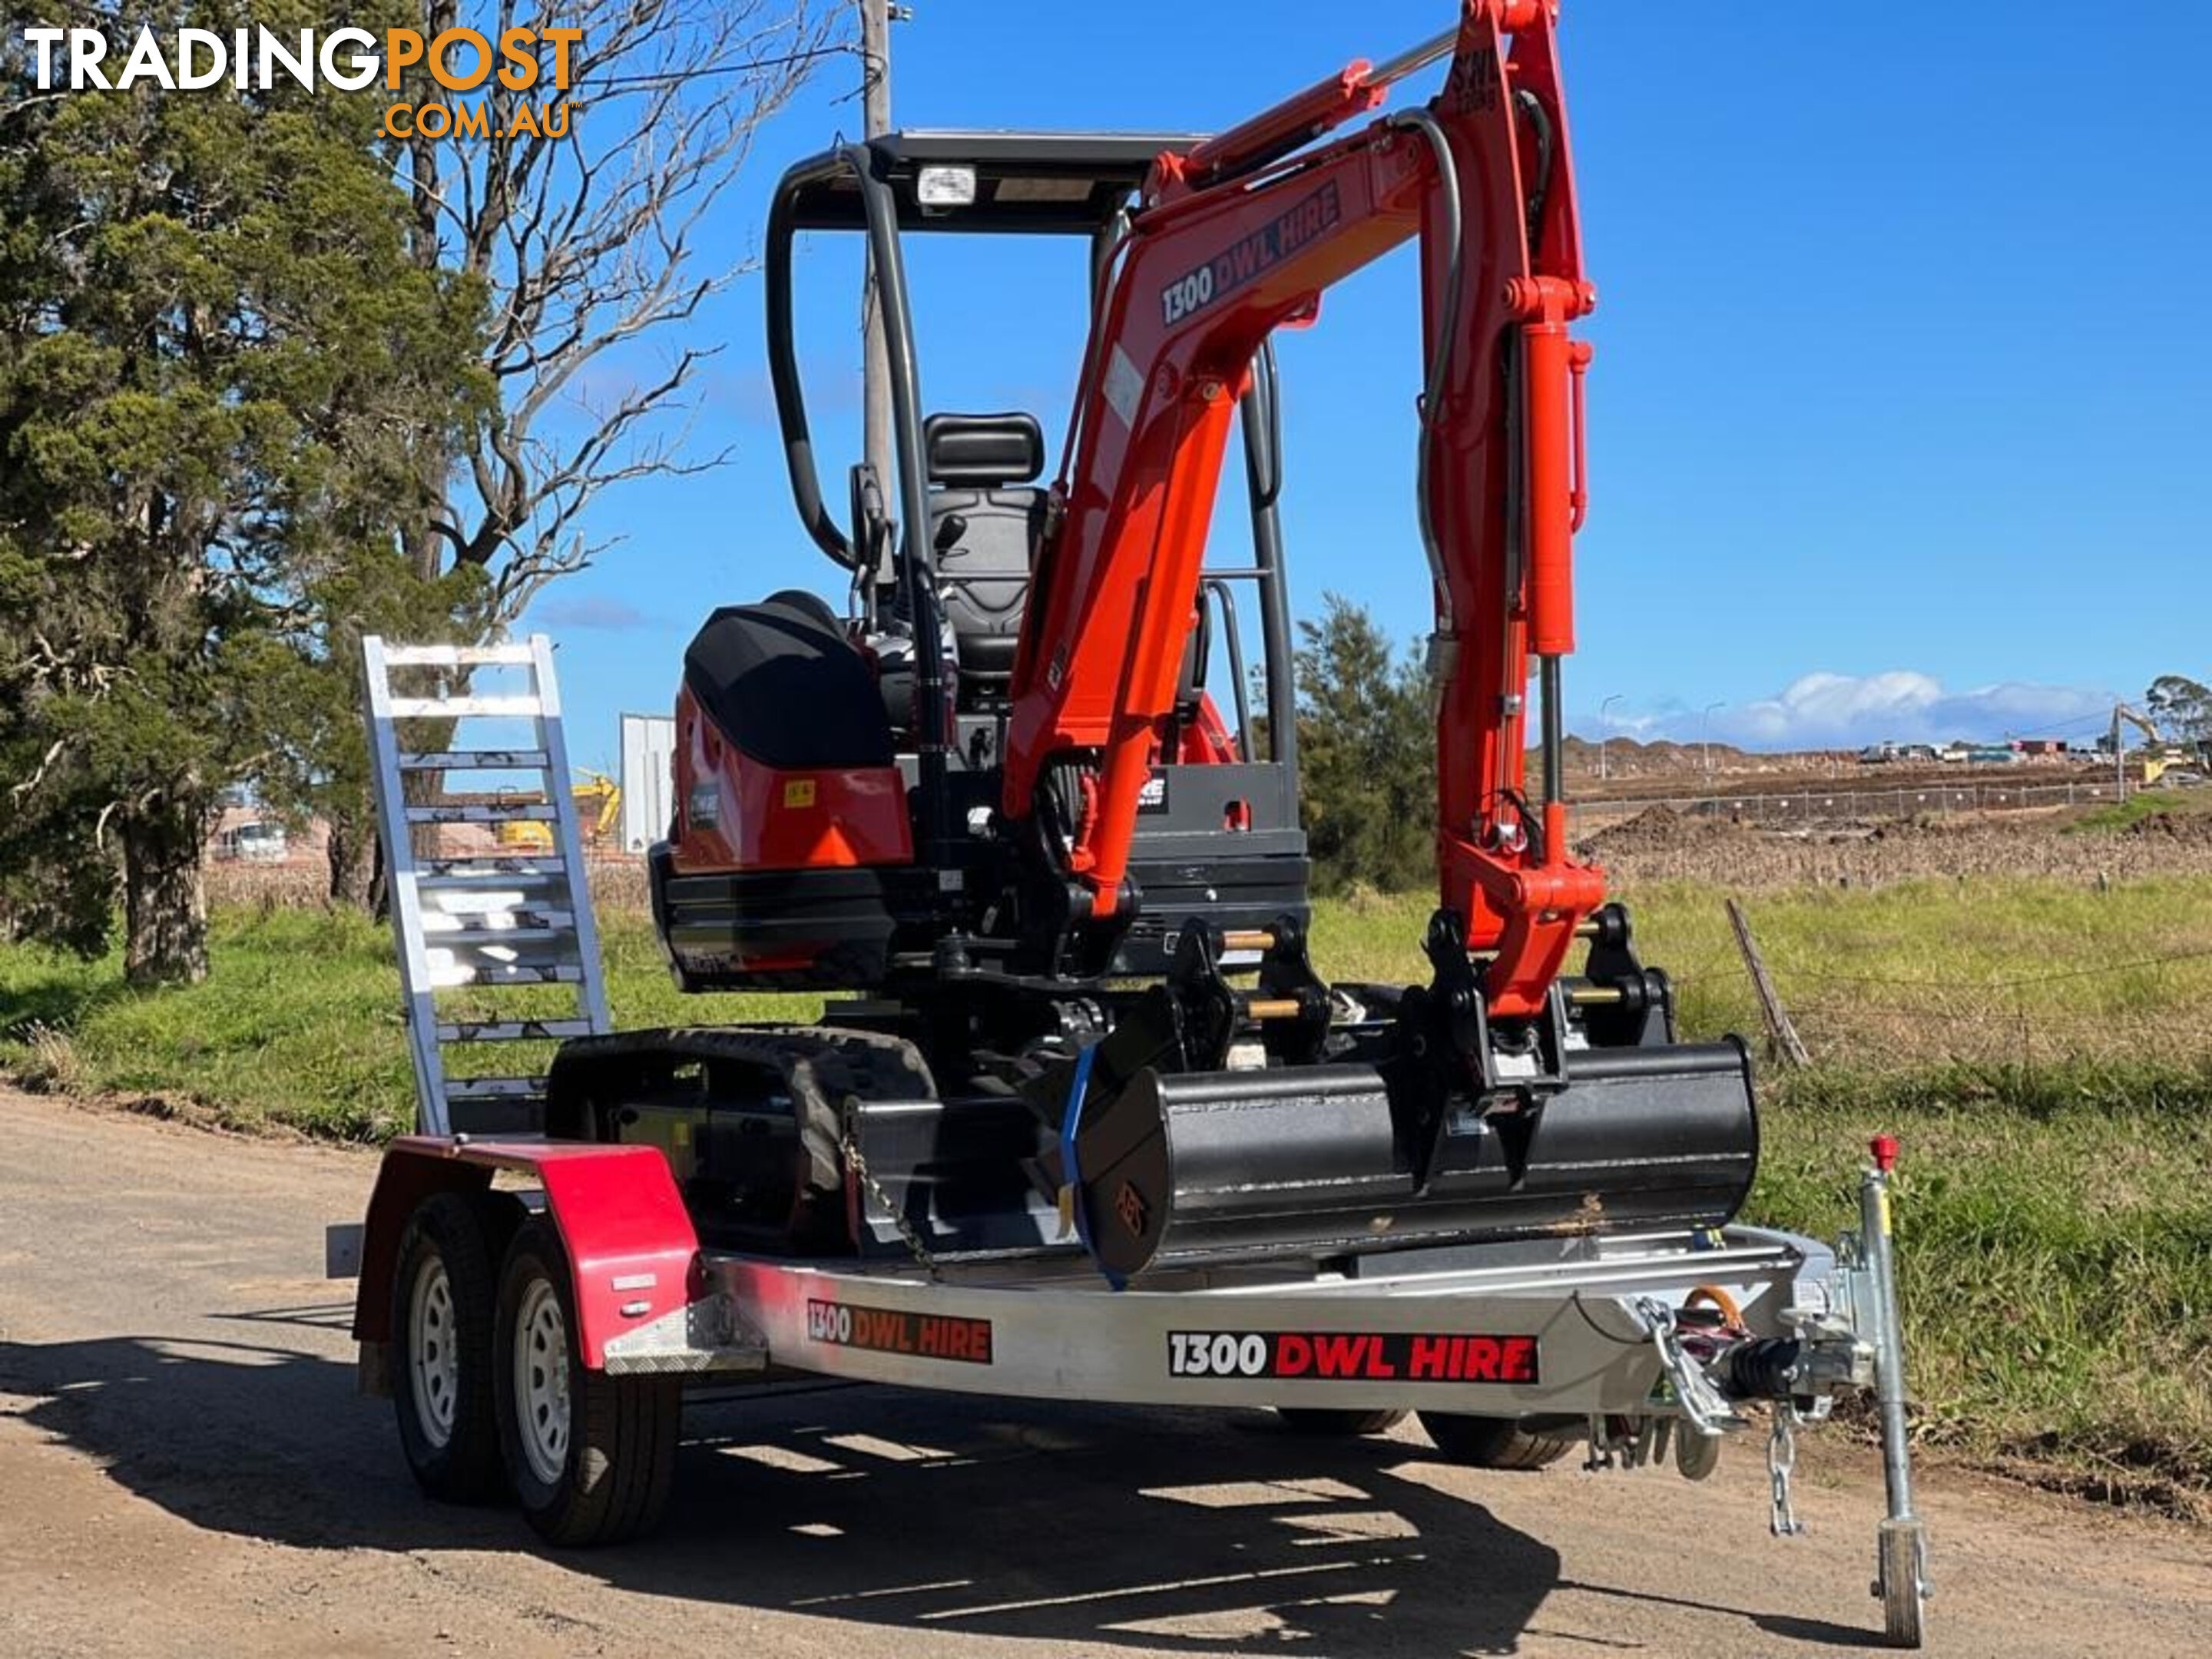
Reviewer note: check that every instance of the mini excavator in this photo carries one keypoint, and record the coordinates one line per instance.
(1058, 897)
(1078, 1120)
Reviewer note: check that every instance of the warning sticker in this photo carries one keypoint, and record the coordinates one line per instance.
(1124, 387)
(892, 1330)
(1353, 1356)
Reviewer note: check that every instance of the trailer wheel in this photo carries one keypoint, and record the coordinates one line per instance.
(1330, 1420)
(1494, 1443)
(591, 1456)
(1900, 1584)
(442, 1371)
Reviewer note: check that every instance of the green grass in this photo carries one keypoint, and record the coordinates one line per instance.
(299, 1024)
(2114, 816)
(2040, 1048)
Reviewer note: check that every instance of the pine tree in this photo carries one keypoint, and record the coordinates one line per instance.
(1366, 752)
(215, 358)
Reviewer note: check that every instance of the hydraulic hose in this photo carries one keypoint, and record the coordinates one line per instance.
(1440, 360)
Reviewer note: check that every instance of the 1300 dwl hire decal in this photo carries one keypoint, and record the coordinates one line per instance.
(893, 1330)
(1354, 1356)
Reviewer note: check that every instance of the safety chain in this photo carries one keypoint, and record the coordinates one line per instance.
(1702, 1403)
(875, 1191)
(1781, 1463)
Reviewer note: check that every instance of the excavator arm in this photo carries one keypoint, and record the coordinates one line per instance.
(1240, 236)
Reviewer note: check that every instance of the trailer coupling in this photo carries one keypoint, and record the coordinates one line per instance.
(1848, 1336)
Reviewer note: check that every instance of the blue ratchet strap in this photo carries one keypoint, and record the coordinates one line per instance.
(1071, 1120)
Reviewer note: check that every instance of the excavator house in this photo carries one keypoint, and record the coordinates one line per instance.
(1079, 1116)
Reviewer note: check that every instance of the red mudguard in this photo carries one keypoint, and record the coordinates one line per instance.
(632, 1249)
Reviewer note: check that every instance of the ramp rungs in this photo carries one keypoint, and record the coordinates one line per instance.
(501, 867)
(456, 656)
(512, 1030)
(498, 811)
(496, 924)
(475, 760)
(450, 976)
(504, 939)
(488, 913)
(506, 950)
(461, 708)
(468, 920)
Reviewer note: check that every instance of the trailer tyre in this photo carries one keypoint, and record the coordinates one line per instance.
(1494, 1443)
(1324, 1421)
(442, 1365)
(1902, 1552)
(591, 1456)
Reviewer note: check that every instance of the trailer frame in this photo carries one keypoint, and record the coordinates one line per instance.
(1596, 1330)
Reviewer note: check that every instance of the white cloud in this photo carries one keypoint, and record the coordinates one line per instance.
(1826, 710)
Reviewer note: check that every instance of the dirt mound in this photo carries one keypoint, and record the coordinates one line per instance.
(1654, 829)
(2191, 828)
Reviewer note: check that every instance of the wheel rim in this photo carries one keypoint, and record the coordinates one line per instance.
(541, 1382)
(433, 1354)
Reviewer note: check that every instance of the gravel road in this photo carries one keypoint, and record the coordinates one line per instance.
(186, 1469)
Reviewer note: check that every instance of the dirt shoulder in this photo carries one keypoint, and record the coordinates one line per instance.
(187, 1470)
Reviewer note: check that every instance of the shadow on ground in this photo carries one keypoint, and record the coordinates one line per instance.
(1152, 1528)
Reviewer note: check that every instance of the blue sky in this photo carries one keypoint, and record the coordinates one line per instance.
(1903, 381)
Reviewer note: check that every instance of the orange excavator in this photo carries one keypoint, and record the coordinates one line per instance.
(996, 796)
(1054, 891)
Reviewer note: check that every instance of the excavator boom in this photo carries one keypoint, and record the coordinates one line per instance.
(1234, 238)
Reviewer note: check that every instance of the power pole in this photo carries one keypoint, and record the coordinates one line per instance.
(876, 120)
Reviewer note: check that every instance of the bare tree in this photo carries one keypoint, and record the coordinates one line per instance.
(588, 243)
(585, 235)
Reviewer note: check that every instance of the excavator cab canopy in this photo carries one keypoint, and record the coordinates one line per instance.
(1062, 184)
(999, 182)
(945, 544)
(943, 552)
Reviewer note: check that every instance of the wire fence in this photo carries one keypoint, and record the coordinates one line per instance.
(1813, 804)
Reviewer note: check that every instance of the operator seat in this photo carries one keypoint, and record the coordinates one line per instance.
(985, 514)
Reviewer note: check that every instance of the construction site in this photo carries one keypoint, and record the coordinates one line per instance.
(1063, 1096)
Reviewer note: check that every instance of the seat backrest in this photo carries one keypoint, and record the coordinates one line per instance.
(980, 469)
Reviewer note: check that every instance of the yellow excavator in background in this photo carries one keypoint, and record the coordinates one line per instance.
(598, 793)
(2159, 756)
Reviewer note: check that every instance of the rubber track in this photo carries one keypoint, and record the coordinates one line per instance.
(822, 1066)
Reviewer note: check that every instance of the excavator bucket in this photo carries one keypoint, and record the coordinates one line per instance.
(1178, 1170)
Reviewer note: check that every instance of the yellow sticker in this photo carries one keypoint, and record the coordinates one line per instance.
(799, 791)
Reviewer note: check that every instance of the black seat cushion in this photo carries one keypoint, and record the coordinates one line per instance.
(784, 685)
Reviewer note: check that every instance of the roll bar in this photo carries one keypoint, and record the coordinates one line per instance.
(917, 570)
